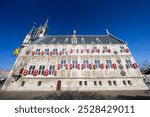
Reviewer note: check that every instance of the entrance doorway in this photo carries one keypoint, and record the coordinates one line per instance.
(58, 85)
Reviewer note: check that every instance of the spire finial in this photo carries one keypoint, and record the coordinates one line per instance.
(46, 23)
(107, 31)
(74, 32)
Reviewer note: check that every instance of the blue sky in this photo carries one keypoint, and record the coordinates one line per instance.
(127, 19)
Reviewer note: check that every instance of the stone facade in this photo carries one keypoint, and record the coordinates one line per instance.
(73, 63)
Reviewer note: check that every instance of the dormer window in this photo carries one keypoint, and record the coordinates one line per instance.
(74, 40)
(66, 41)
(82, 40)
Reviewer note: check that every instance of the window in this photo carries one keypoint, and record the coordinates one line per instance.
(85, 62)
(115, 83)
(74, 40)
(41, 69)
(22, 83)
(74, 64)
(39, 83)
(122, 49)
(84, 49)
(104, 49)
(46, 51)
(31, 69)
(95, 83)
(109, 63)
(94, 49)
(124, 83)
(100, 83)
(74, 50)
(80, 83)
(37, 52)
(129, 82)
(85, 83)
(109, 82)
(64, 51)
(63, 63)
(129, 64)
(82, 40)
(97, 63)
(55, 52)
(51, 69)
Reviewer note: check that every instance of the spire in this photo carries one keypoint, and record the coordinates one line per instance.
(31, 31)
(46, 23)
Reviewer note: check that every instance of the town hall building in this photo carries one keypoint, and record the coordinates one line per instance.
(73, 63)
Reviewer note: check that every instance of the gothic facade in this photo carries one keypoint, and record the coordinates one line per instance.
(73, 63)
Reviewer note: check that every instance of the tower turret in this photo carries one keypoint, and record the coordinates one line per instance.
(44, 29)
(29, 36)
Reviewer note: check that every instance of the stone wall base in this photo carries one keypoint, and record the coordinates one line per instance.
(84, 84)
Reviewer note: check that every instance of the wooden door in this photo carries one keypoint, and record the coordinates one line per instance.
(58, 85)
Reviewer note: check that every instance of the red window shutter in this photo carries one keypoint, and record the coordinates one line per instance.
(78, 66)
(54, 72)
(60, 52)
(58, 66)
(114, 66)
(98, 50)
(92, 50)
(82, 66)
(109, 50)
(46, 72)
(51, 52)
(25, 72)
(66, 66)
(102, 66)
(35, 72)
(127, 50)
(135, 65)
(70, 50)
(77, 51)
(33, 52)
(94, 66)
(87, 50)
(42, 52)
(70, 66)
(90, 66)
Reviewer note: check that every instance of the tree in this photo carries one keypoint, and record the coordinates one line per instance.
(144, 67)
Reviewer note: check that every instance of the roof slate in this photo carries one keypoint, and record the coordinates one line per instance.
(81, 39)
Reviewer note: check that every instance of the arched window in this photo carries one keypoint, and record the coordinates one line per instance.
(80, 83)
(129, 82)
(109, 82)
(115, 83)
(22, 83)
(124, 82)
(100, 83)
(39, 83)
(95, 83)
